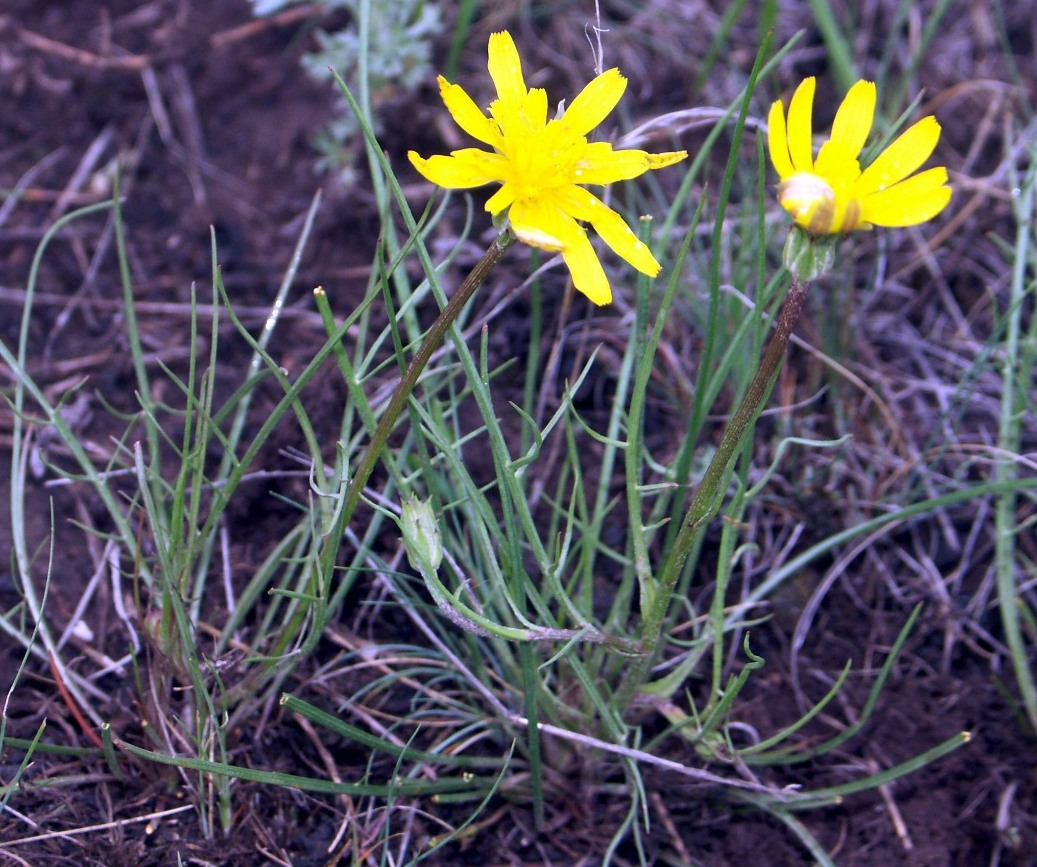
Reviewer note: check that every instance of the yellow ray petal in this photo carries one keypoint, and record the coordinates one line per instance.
(503, 198)
(854, 118)
(536, 108)
(599, 164)
(505, 68)
(666, 158)
(467, 114)
(518, 120)
(595, 102)
(587, 273)
(612, 228)
(778, 142)
(910, 202)
(838, 165)
(539, 223)
(461, 170)
(912, 148)
(801, 126)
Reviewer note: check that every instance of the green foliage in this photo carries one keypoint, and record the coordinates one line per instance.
(569, 599)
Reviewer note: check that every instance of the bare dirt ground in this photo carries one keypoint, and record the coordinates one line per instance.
(218, 118)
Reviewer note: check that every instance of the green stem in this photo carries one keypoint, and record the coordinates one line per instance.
(343, 515)
(1016, 380)
(434, 336)
(417, 364)
(709, 496)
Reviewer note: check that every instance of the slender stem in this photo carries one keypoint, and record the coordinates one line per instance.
(343, 515)
(403, 390)
(709, 496)
(417, 364)
(1015, 384)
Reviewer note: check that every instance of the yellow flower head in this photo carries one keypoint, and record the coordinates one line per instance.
(540, 164)
(831, 194)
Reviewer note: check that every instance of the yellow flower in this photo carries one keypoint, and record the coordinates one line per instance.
(831, 194)
(540, 164)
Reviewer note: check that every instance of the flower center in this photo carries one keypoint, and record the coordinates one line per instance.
(544, 159)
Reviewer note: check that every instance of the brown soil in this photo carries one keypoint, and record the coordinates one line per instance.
(223, 139)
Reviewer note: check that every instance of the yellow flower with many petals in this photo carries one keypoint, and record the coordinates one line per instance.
(832, 194)
(541, 163)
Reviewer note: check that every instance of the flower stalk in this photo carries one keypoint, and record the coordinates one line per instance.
(354, 490)
(434, 336)
(708, 497)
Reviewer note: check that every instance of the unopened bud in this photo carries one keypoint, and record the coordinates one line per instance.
(808, 257)
(421, 534)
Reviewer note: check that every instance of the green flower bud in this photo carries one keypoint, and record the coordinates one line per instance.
(421, 534)
(808, 256)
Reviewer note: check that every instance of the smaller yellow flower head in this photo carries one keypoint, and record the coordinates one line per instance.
(540, 164)
(831, 194)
